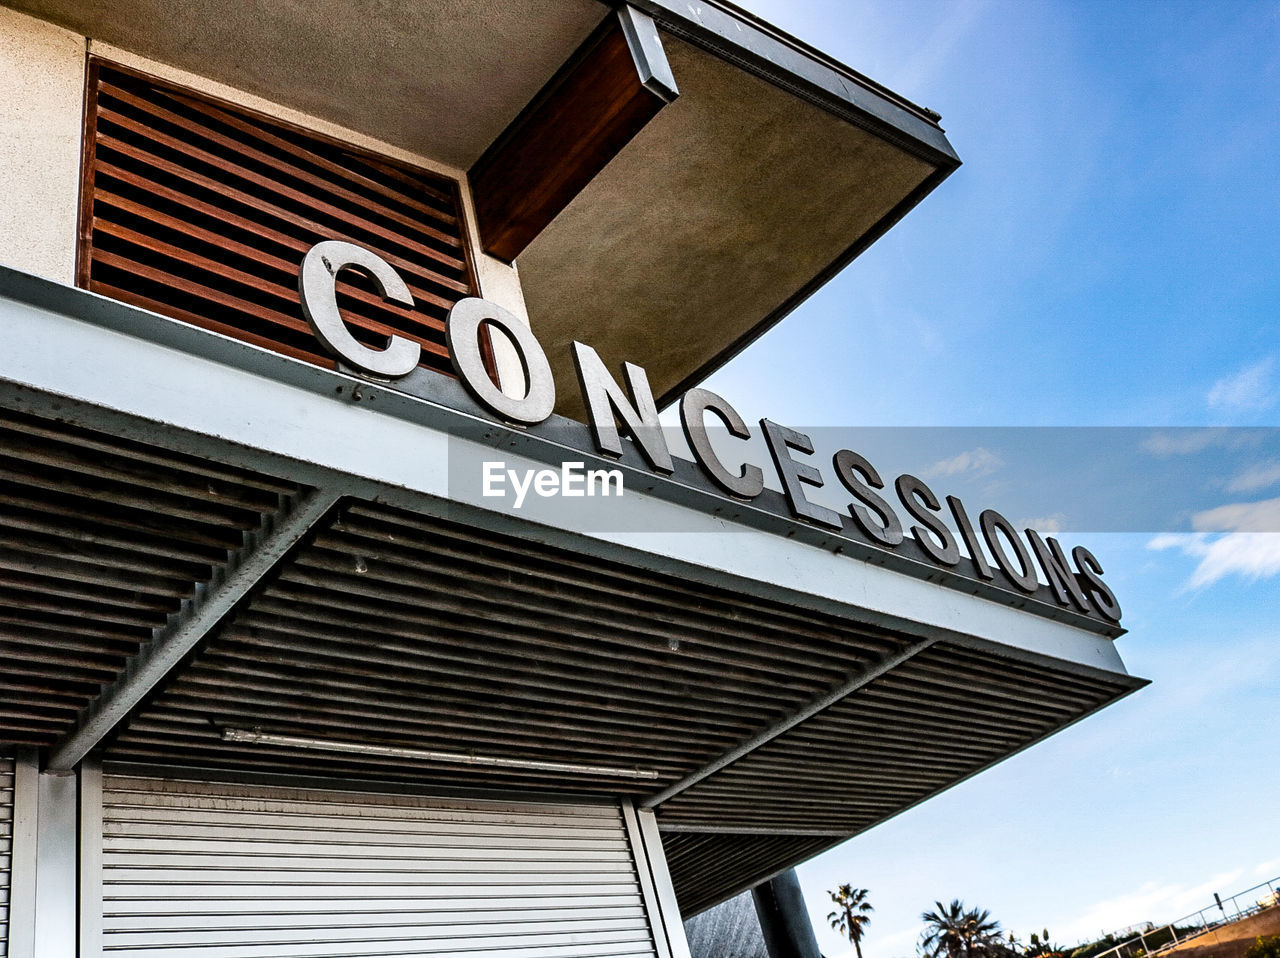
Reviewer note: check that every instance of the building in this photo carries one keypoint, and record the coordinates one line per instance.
(279, 677)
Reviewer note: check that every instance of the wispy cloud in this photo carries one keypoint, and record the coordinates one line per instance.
(1252, 389)
(1261, 516)
(979, 462)
(1250, 547)
(1045, 524)
(1253, 555)
(1261, 475)
(1187, 442)
(1152, 901)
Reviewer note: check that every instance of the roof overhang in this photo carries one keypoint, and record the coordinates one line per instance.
(773, 170)
(439, 79)
(299, 558)
(671, 179)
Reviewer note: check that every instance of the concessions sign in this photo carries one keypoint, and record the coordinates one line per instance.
(879, 515)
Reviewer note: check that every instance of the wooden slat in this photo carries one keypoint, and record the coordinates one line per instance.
(221, 271)
(317, 159)
(260, 231)
(202, 211)
(198, 319)
(317, 186)
(276, 188)
(289, 268)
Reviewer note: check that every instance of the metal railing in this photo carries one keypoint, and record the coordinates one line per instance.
(1221, 912)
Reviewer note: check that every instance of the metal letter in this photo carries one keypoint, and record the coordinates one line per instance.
(860, 478)
(795, 475)
(749, 482)
(1024, 577)
(922, 503)
(1103, 599)
(605, 399)
(462, 332)
(1056, 570)
(980, 564)
(317, 282)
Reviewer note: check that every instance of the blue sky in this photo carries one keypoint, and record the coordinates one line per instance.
(1109, 255)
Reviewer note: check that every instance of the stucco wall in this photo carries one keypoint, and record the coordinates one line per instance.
(41, 109)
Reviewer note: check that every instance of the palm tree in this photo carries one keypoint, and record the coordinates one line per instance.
(954, 932)
(851, 916)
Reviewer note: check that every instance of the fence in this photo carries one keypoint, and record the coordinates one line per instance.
(1153, 940)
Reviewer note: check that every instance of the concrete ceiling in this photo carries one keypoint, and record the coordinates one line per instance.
(442, 79)
(734, 198)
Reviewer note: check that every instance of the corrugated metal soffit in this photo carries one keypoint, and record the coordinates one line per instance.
(233, 871)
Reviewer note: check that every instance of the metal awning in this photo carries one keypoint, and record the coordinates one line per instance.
(268, 556)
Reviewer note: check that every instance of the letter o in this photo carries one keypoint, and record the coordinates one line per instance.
(317, 289)
(462, 332)
(1024, 576)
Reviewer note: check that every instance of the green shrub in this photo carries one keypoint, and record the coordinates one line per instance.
(1264, 948)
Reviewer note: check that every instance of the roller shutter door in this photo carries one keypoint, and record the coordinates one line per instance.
(234, 871)
(6, 848)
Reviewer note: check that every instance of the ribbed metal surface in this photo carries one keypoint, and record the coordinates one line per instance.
(101, 539)
(6, 848)
(458, 639)
(395, 628)
(930, 722)
(253, 871)
(940, 717)
(708, 868)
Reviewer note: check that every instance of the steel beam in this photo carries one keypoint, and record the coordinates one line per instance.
(22, 858)
(90, 872)
(191, 623)
(788, 933)
(655, 882)
(698, 828)
(791, 721)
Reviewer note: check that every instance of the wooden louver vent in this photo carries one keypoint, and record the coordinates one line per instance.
(202, 211)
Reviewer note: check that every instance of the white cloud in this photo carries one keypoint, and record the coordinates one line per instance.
(980, 461)
(1186, 442)
(1250, 547)
(1262, 516)
(1249, 390)
(1261, 475)
(1046, 525)
(1253, 555)
(1152, 901)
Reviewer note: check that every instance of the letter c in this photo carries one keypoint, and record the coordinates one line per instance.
(749, 481)
(317, 289)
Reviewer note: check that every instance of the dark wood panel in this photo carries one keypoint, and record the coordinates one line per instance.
(202, 211)
(584, 117)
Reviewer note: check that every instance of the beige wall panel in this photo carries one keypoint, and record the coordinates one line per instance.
(41, 114)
